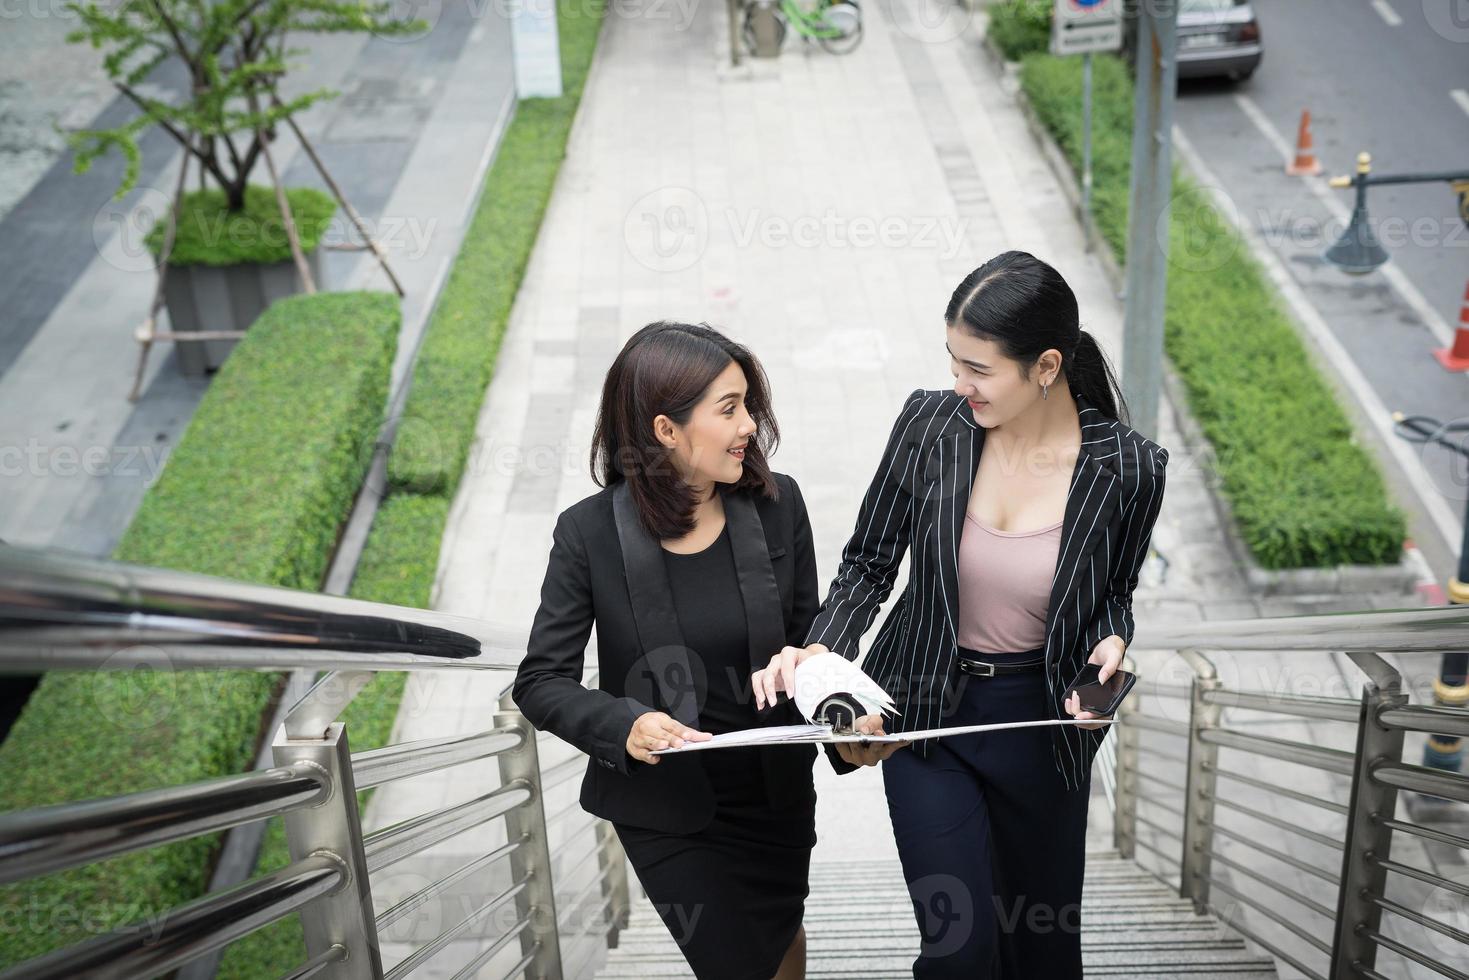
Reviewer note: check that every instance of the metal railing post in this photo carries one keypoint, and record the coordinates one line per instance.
(536, 903)
(1199, 786)
(1124, 816)
(1369, 839)
(612, 864)
(333, 828)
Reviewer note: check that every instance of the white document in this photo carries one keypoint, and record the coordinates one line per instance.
(818, 734)
(825, 674)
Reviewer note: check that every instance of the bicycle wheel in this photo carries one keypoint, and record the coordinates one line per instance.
(844, 17)
(747, 32)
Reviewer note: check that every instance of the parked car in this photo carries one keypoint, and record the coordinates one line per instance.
(1216, 38)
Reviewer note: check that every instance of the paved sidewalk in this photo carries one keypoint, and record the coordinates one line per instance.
(408, 140)
(820, 209)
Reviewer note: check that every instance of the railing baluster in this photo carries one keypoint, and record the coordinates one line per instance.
(1362, 878)
(334, 827)
(1124, 820)
(537, 902)
(614, 880)
(1201, 783)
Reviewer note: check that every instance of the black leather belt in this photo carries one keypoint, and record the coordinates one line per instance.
(982, 668)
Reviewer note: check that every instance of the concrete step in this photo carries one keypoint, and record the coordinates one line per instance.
(859, 924)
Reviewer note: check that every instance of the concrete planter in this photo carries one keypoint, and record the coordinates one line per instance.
(208, 297)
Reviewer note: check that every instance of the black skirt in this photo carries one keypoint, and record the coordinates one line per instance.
(733, 894)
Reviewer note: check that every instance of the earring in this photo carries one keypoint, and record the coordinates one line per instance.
(1045, 390)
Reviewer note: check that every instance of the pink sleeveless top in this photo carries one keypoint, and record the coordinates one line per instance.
(1005, 586)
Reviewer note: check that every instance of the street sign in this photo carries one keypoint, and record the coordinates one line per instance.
(1086, 26)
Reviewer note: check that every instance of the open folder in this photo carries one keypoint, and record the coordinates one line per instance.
(817, 734)
(831, 692)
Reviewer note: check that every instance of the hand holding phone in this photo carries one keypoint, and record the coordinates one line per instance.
(1101, 698)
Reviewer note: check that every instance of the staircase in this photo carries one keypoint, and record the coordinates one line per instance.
(859, 924)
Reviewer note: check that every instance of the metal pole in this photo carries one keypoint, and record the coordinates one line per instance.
(612, 864)
(345, 917)
(1451, 686)
(1086, 142)
(1147, 229)
(536, 903)
(1124, 821)
(1368, 840)
(1200, 786)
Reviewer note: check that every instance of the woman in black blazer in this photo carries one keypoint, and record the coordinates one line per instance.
(979, 483)
(695, 565)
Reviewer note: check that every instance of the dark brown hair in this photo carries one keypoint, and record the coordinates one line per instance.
(666, 368)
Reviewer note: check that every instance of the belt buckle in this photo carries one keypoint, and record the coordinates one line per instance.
(980, 669)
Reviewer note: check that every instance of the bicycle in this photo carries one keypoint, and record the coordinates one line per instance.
(835, 24)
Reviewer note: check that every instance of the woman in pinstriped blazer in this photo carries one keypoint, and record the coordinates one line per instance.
(991, 828)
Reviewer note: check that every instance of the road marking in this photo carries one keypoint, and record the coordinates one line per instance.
(1460, 96)
(1387, 13)
(1331, 350)
(1395, 277)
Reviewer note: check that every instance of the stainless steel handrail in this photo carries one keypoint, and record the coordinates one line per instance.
(1300, 705)
(51, 838)
(1430, 630)
(192, 929)
(70, 612)
(1381, 716)
(60, 611)
(406, 759)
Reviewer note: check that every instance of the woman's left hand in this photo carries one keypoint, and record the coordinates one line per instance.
(1108, 655)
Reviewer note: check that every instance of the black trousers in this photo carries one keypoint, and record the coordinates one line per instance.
(992, 843)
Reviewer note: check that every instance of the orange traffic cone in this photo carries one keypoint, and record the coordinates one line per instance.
(1456, 358)
(1305, 164)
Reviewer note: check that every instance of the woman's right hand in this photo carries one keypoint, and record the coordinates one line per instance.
(657, 730)
(780, 675)
(857, 754)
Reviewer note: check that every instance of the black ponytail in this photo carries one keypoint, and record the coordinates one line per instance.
(1027, 308)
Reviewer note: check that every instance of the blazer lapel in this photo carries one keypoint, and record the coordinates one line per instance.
(764, 619)
(665, 658)
(1090, 502)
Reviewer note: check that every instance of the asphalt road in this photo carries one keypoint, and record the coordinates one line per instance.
(1390, 77)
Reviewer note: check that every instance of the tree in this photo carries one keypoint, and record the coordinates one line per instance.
(235, 53)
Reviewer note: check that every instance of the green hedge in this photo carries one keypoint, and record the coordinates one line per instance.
(255, 490)
(1303, 491)
(210, 234)
(458, 354)
(1021, 27)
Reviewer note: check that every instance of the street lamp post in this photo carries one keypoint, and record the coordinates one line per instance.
(1358, 252)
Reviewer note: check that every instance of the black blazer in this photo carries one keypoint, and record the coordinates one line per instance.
(606, 569)
(918, 498)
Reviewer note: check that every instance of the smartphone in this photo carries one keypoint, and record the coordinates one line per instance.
(1101, 698)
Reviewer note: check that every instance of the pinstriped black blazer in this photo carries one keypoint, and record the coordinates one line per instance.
(918, 498)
